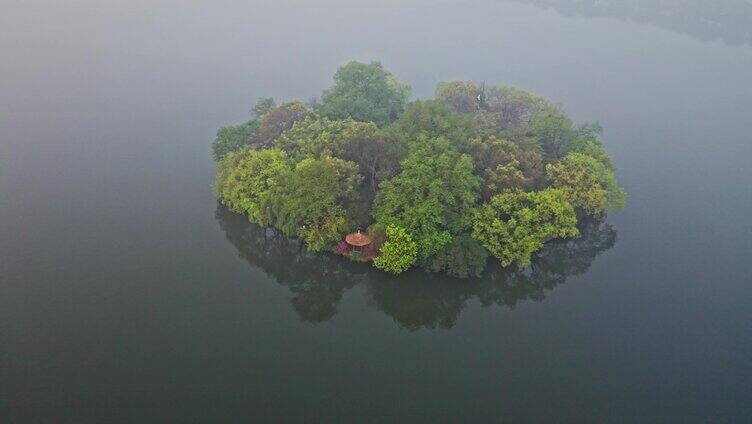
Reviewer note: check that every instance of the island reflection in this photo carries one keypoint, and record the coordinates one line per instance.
(415, 299)
(727, 20)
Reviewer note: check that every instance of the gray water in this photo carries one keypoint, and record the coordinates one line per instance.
(126, 294)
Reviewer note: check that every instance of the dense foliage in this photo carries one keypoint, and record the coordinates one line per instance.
(513, 226)
(479, 171)
(399, 252)
(432, 198)
(365, 93)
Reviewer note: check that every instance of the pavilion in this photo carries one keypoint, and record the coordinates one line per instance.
(357, 240)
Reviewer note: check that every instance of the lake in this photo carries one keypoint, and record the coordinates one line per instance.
(128, 295)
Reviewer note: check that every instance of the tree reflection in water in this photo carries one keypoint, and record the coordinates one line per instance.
(415, 299)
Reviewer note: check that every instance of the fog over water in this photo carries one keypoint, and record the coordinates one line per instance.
(126, 294)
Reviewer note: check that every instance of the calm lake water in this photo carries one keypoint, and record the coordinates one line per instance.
(126, 294)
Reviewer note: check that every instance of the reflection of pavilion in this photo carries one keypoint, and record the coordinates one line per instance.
(415, 299)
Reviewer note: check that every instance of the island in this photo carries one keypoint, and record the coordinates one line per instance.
(440, 183)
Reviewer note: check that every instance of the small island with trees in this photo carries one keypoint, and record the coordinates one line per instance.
(442, 183)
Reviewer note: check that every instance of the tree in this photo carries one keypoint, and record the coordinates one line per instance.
(588, 184)
(554, 132)
(462, 96)
(513, 226)
(233, 138)
(263, 105)
(504, 166)
(225, 169)
(313, 200)
(594, 149)
(363, 158)
(432, 197)
(373, 150)
(277, 120)
(432, 119)
(532, 167)
(486, 124)
(515, 107)
(321, 136)
(364, 143)
(398, 253)
(588, 142)
(245, 180)
(365, 92)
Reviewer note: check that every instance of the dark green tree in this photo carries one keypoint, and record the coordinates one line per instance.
(432, 197)
(313, 201)
(432, 119)
(233, 138)
(554, 132)
(263, 105)
(462, 96)
(363, 143)
(275, 121)
(365, 92)
(504, 166)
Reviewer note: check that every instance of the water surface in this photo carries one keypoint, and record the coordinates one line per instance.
(126, 294)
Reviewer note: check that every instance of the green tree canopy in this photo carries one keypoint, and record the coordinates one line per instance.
(365, 92)
(233, 138)
(313, 200)
(513, 226)
(462, 96)
(514, 106)
(432, 197)
(275, 121)
(263, 105)
(588, 142)
(245, 180)
(364, 158)
(504, 166)
(321, 136)
(432, 119)
(363, 143)
(588, 184)
(554, 132)
(398, 253)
